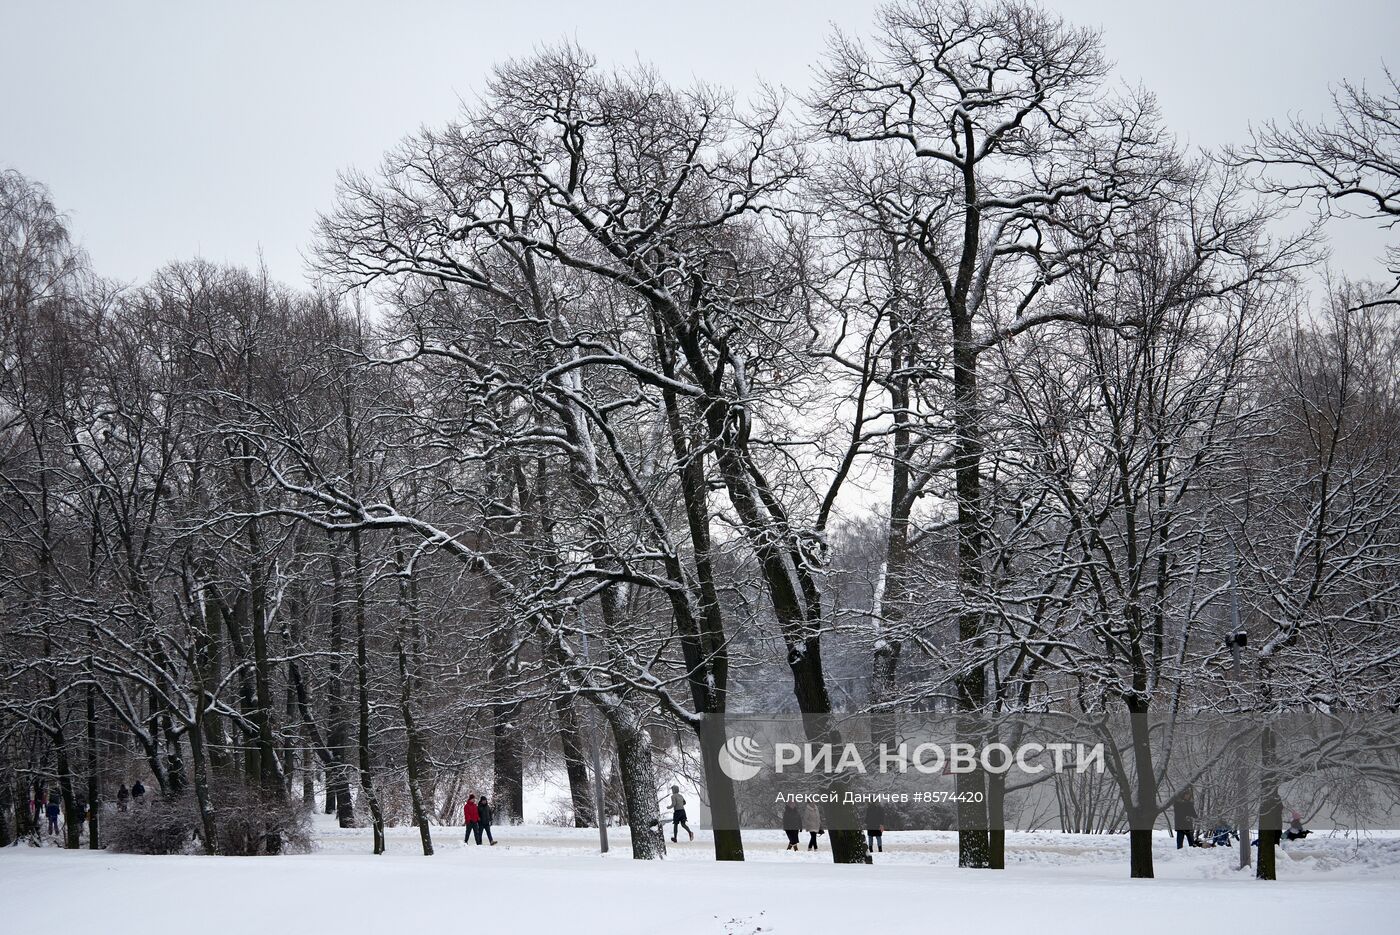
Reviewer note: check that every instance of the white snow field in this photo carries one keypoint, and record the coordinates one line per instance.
(552, 880)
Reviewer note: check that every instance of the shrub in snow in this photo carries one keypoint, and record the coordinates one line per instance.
(246, 824)
(250, 825)
(161, 826)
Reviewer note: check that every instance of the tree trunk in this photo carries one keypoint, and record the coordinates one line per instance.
(72, 820)
(638, 780)
(338, 798)
(575, 760)
(408, 606)
(362, 682)
(1270, 808)
(508, 786)
(724, 806)
(414, 755)
(94, 780)
(208, 829)
(1140, 836)
(7, 804)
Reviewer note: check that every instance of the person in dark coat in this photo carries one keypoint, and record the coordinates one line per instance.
(875, 826)
(138, 793)
(471, 816)
(792, 824)
(483, 821)
(1184, 816)
(123, 797)
(51, 811)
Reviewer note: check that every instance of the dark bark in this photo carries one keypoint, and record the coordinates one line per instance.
(575, 759)
(416, 755)
(338, 738)
(94, 779)
(1270, 808)
(508, 785)
(362, 684)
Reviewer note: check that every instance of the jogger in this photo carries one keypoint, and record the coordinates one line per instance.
(678, 814)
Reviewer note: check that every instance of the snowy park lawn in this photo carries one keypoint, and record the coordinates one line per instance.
(552, 880)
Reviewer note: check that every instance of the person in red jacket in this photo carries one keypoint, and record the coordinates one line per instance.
(472, 816)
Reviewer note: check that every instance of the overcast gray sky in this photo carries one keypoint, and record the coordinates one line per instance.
(173, 129)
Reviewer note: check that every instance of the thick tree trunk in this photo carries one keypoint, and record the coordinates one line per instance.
(638, 779)
(724, 806)
(996, 827)
(1140, 836)
(415, 755)
(974, 844)
(1270, 808)
(889, 611)
(575, 760)
(72, 818)
(209, 835)
(508, 785)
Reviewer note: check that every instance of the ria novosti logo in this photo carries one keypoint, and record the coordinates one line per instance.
(739, 758)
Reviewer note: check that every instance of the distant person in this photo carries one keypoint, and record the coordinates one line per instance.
(1184, 816)
(1296, 831)
(875, 826)
(52, 810)
(123, 797)
(678, 820)
(138, 793)
(471, 816)
(484, 816)
(1221, 834)
(792, 824)
(812, 822)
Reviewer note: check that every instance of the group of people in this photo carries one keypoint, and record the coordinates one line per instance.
(809, 819)
(1184, 818)
(134, 796)
(47, 807)
(477, 815)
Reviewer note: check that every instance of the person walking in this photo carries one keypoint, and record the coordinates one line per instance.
(123, 797)
(483, 819)
(812, 822)
(471, 817)
(1184, 816)
(875, 827)
(678, 820)
(52, 811)
(792, 824)
(138, 794)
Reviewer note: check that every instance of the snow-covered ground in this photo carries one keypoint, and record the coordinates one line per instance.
(548, 880)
